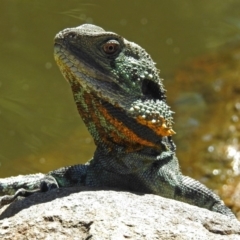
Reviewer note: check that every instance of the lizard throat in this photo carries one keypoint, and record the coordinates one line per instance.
(110, 126)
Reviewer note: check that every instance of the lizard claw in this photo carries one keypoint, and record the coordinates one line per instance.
(6, 200)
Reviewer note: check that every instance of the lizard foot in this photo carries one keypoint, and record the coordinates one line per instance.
(47, 183)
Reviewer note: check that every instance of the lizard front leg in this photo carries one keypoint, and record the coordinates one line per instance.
(25, 185)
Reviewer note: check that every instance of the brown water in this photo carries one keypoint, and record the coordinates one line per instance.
(39, 124)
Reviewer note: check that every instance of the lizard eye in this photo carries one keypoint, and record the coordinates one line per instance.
(111, 47)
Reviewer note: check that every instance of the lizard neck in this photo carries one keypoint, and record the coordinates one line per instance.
(118, 160)
(113, 130)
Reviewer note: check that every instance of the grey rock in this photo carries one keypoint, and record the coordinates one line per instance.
(87, 213)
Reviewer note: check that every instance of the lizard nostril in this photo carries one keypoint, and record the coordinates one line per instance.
(72, 35)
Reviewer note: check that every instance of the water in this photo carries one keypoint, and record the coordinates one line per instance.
(39, 124)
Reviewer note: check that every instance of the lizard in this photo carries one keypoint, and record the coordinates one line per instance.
(122, 101)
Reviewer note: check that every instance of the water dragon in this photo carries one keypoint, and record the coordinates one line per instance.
(122, 101)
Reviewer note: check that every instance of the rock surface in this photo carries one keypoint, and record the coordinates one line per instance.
(83, 213)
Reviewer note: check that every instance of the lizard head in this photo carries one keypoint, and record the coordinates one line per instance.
(116, 86)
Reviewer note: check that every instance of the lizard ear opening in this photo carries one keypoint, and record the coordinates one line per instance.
(152, 90)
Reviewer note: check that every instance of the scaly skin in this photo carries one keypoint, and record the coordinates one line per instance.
(121, 99)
